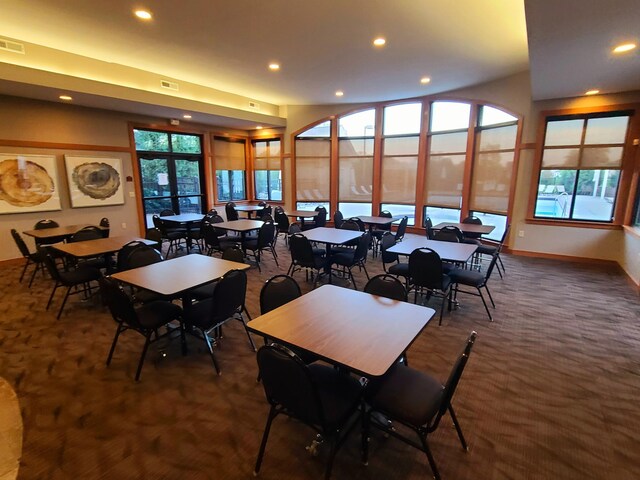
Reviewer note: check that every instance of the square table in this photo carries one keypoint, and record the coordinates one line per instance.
(371, 221)
(66, 231)
(243, 226)
(186, 219)
(302, 214)
(99, 246)
(448, 251)
(362, 332)
(249, 209)
(330, 236)
(467, 227)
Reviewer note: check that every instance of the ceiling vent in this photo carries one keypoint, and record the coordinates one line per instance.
(10, 46)
(254, 105)
(169, 85)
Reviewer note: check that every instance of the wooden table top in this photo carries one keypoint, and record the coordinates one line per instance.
(177, 275)
(363, 332)
(450, 251)
(241, 225)
(65, 231)
(302, 213)
(100, 246)
(183, 218)
(377, 220)
(333, 236)
(249, 208)
(467, 227)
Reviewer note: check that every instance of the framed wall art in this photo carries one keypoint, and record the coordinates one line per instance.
(94, 181)
(28, 183)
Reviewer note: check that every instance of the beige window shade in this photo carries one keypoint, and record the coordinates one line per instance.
(491, 181)
(355, 179)
(501, 138)
(445, 175)
(448, 143)
(563, 132)
(313, 148)
(601, 157)
(399, 179)
(312, 178)
(606, 130)
(355, 147)
(228, 155)
(266, 155)
(401, 146)
(560, 158)
(267, 163)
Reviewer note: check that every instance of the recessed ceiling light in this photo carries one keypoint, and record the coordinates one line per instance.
(143, 14)
(425, 80)
(625, 47)
(274, 66)
(186, 115)
(65, 97)
(592, 92)
(379, 42)
(259, 127)
(339, 93)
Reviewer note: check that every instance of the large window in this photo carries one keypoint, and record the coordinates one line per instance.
(580, 166)
(171, 172)
(267, 169)
(313, 167)
(230, 164)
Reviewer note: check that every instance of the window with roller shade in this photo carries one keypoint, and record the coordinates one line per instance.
(581, 166)
(267, 169)
(229, 159)
(400, 147)
(313, 167)
(355, 163)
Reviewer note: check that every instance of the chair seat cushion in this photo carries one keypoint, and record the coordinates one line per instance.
(80, 275)
(340, 393)
(473, 278)
(471, 241)
(487, 249)
(406, 394)
(147, 296)
(158, 313)
(251, 244)
(345, 259)
(401, 269)
(203, 292)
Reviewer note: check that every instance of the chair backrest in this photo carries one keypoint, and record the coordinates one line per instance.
(301, 250)
(388, 240)
(282, 221)
(266, 234)
(86, 233)
(265, 213)
(388, 286)
(472, 220)
(24, 250)
(155, 235)
(386, 214)
(449, 233)
(362, 247)
(123, 255)
(119, 303)
(231, 212)
(361, 226)
(402, 228)
(229, 295)
(351, 224)
(104, 222)
(167, 213)
(428, 227)
(210, 234)
(49, 263)
(338, 219)
(288, 383)
(143, 255)
(454, 378)
(279, 209)
(321, 218)
(47, 223)
(294, 228)
(277, 291)
(504, 236)
(492, 264)
(233, 254)
(425, 268)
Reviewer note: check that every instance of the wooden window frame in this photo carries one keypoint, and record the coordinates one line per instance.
(269, 138)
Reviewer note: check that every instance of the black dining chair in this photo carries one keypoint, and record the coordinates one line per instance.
(490, 250)
(338, 219)
(231, 212)
(380, 230)
(227, 302)
(282, 224)
(397, 268)
(106, 227)
(416, 400)
(30, 258)
(304, 257)
(348, 260)
(388, 286)
(321, 397)
(265, 241)
(426, 275)
(146, 320)
(475, 279)
(402, 228)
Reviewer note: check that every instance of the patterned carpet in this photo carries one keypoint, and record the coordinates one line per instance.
(550, 392)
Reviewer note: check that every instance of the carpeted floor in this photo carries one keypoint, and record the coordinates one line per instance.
(550, 392)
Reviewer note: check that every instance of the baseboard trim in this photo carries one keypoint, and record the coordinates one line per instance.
(11, 261)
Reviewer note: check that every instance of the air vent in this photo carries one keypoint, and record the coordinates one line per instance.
(10, 46)
(254, 105)
(169, 85)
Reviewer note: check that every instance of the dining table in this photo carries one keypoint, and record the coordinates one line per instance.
(242, 226)
(372, 221)
(249, 209)
(363, 333)
(472, 228)
(449, 251)
(66, 231)
(98, 247)
(302, 215)
(188, 220)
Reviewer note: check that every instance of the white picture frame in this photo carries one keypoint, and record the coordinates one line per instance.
(94, 181)
(28, 183)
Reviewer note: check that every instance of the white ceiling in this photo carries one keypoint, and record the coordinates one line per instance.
(326, 46)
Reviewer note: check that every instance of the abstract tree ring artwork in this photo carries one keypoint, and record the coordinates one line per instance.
(28, 183)
(94, 181)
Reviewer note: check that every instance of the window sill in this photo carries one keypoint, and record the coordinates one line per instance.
(573, 224)
(632, 230)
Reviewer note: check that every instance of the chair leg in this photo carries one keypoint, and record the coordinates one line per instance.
(444, 297)
(33, 274)
(353, 280)
(332, 455)
(486, 307)
(265, 437)
(24, 270)
(490, 297)
(253, 346)
(213, 357)
(113, 344)
(64, 302)
(144, 354)
(432, 461)
(52, 294)
(458, 429)
(365, 434)
(275, 256)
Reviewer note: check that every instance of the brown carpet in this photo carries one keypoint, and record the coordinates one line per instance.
(551, 390)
